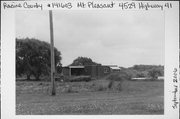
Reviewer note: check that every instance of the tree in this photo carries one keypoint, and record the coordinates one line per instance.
(83, 61)
(140, 74)
(33, 57)
(144, 70)
(154, 73)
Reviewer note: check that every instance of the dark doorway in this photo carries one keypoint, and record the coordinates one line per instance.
(77, 71)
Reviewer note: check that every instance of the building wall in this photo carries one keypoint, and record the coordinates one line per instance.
(103, 71)
(91, 71)
(95, 71)
(77, 71)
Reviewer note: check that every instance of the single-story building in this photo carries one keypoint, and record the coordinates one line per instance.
(95, 71)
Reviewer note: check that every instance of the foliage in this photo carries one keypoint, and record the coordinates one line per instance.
(140, 74)
(80, 78)
(119, 87)
(145, 67)
(110, 85)
(33, 57)
(100, 88)
(143, 70)
(70, 90)
(119, 76)
(83, 61)
(154, 73)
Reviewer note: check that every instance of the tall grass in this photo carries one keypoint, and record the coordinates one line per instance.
(110, 85)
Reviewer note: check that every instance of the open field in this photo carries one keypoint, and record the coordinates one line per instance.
(134, 97)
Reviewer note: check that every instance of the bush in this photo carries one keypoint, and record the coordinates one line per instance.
(119, 87)
(102, 85)
(80, 78)
(70, 90)
(100, 88)
(110, 85)
(154, 73)
(119, 76)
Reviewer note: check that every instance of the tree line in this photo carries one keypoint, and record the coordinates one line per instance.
(150, 71)
(33, 59)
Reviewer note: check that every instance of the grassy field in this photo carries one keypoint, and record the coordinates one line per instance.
(95, 97)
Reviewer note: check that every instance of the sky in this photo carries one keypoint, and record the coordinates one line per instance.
(109, 37)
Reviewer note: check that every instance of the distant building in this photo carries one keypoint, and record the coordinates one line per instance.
(140, 78)
(147, 78)
(160, 77)
(114, 68)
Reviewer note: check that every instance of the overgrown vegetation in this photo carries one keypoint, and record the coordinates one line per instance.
(139, 71)
(80, 78)
(118, 76)
(111, 83)
(136, 97)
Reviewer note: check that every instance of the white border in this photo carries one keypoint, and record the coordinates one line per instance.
(8, 67)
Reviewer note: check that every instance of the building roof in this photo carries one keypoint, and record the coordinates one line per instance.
(76, 66)
(111, 65)
(115, 68)
(140, 78)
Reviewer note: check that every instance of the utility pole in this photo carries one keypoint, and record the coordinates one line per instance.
(53, 89)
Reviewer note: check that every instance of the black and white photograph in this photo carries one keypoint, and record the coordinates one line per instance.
(90, 62)
(106, 62)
